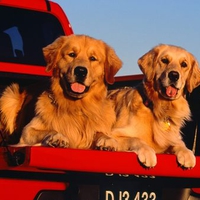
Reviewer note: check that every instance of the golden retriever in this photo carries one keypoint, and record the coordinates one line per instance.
(150, 116)
(75, 106)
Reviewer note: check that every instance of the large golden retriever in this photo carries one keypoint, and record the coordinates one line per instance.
(75, 106)
(150, 116)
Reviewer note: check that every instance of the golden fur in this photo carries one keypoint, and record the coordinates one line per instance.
(11, 103)
(150, 116)
(75, 107)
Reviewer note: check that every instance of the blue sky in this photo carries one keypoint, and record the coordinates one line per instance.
(133, 27)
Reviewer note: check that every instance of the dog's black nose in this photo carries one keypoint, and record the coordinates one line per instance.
(80, 73)
(173, 76)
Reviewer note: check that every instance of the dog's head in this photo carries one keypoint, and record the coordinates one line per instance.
(172, 69)
(80, 62)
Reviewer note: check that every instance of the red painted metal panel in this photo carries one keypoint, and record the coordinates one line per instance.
(27, 189)
(105, 162)
(196, 190)
(39, 5)
(23, 69)
(129, 78)
(58, 12)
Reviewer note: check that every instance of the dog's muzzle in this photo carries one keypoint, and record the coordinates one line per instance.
(170, 91)
(80, 74)
(76, 88)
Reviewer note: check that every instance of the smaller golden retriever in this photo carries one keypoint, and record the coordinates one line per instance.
(150, 116)
(74, 107)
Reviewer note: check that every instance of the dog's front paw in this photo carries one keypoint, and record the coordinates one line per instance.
(56, 140)
(147, 156)
(106, 143)
(186, 158)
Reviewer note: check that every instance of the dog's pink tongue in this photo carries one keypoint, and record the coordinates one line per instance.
(171, 91)
(77, 87)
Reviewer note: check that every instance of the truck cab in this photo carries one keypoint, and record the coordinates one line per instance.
(42, 173)
(27, 27)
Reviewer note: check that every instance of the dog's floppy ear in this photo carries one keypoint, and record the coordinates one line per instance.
(193, 79)
(146, 63)
(112, 65)
(52, 51)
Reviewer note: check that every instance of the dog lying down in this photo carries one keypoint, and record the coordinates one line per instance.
(150, 116)
(74, 106)
(76, 112)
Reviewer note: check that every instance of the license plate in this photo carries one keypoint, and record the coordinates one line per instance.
(132, 194)
(129, 190)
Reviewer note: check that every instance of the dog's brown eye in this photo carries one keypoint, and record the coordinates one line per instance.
(183, 64)
(92, 58)
(73, 55)
(165, 60)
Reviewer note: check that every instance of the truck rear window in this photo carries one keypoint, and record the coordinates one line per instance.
(23, 34)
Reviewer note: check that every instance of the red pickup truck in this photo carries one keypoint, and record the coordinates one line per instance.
(42, 173)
